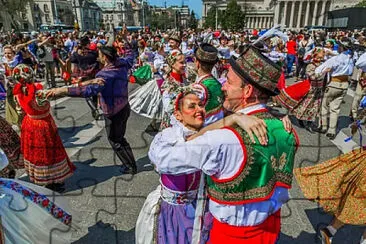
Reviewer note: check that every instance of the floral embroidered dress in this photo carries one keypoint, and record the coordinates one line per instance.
(169, 87)
(309, 107)
(168, 213)
(10, 144)
(45, 158)
(338, 185)
(29, 215)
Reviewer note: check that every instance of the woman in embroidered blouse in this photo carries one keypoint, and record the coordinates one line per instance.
(45, 157)
(174, 80)
(168, 214)
(308, 109)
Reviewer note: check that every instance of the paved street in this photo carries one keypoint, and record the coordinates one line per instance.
(107, 203)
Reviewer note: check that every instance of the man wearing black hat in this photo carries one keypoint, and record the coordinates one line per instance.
(206, 58)
(340, 68)
(247, 182)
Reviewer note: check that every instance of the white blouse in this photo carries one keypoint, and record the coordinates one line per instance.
(217, 153)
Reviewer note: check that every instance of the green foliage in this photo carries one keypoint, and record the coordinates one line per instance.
(234, 17)
(210, 20)
(162, 21)
(361, 4)
(193, 22)
(13, 6)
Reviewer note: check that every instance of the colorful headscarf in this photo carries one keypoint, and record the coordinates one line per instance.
(314, 55)
(23, 74)
(173, 56)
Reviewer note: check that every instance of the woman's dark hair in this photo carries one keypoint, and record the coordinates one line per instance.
(110, 52)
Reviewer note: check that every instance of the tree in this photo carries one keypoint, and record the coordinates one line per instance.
(361, 4)
(192, 23)
(210, 20)
(234, 17)
(10, 10)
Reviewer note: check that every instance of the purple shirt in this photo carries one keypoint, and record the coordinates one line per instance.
(113, 95)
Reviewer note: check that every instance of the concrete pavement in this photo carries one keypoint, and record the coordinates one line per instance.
(107, 203)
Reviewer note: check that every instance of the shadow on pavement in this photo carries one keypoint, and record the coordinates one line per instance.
(87, 175)
(106, 233)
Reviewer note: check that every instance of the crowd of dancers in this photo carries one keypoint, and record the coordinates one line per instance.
(225, 158)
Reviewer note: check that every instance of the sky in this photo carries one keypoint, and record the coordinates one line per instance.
(195, 5)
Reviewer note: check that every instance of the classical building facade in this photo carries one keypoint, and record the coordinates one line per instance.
(88, 15)
(293, 14)
(115, 13)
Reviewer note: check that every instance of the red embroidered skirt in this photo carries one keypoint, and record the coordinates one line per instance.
(265, 233)
(45, 158)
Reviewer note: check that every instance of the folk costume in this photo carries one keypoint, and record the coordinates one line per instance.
(146, 100)
(28, 213)
(341, 69)
(303, 99)
(113, 99)
(171, 84)
(212, 95)
(247, 183)
(10, 143)
(339, 184)
(45, 158)
(168, 213)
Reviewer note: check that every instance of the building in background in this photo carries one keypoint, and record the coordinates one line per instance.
(116, 13)
(291, 14)
(88, 15)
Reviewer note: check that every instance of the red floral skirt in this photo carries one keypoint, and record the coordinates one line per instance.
(45, 158)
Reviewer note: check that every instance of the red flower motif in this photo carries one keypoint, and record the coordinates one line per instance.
(45, 202)
(16, 71)
(26, 69)
(59, 214)
(26, 193)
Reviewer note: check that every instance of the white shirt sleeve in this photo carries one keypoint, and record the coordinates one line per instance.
(361, 62)
(327, 64)
(214, 153)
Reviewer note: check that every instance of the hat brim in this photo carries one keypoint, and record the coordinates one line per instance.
(236, 68)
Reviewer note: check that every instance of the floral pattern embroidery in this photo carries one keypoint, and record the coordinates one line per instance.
(39, 199)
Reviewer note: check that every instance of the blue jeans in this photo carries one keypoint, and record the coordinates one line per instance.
(290, 62)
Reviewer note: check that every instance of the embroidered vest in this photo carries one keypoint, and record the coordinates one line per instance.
(215, 96)
(263, 168)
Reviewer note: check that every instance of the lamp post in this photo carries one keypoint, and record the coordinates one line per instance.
(56, 15)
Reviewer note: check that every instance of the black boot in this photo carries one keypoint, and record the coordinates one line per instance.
(128, 160)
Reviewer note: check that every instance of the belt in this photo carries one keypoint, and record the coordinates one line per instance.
(341, 78)
(177, 197)
(39, 116)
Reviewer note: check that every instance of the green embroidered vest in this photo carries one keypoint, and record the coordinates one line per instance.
(264, 168)
(215, 96)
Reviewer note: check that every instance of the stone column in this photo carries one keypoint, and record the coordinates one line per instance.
(315, 15)
(298, 26)
(277, 13)
(283, 22)
(322, 14)
(292, 14)
(261, 22)
(307, 13)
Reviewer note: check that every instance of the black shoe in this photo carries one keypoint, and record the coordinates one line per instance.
(319, 130)
(310, 128)
(127, 170)
(301, 123)
(331, 136)
(57, 187)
